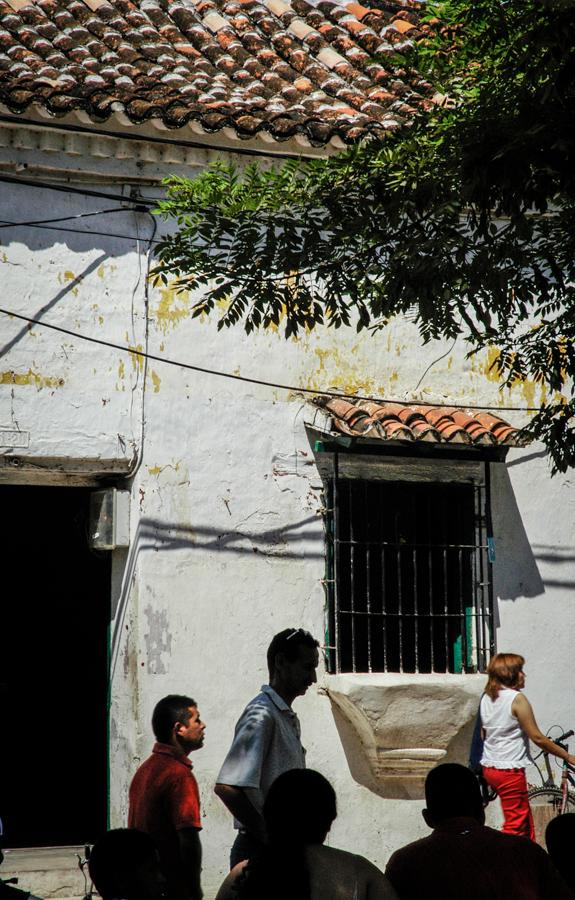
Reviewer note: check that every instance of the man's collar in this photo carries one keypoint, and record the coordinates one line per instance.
(168, 750)
(276, 699)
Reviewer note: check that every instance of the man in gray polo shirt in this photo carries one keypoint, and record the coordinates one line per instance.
(267, 738)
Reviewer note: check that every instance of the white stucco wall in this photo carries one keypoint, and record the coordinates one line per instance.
(227, 544)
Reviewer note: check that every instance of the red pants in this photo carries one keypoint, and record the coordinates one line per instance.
(511, 786)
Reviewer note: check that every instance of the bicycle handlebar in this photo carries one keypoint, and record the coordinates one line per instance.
(563, 737)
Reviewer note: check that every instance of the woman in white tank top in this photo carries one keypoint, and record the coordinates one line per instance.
(508, 725)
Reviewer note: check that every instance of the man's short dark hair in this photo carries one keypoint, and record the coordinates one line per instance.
(114, 859)
(171, 709)
(288, 642)
(452, 790)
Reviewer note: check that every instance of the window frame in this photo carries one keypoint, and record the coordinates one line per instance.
(338, 464)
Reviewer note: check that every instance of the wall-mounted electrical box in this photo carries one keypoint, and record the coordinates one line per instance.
(109, 519)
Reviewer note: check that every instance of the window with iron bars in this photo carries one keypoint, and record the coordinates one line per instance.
(408, 576)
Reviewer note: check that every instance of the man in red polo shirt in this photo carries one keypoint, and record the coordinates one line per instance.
(164, 797)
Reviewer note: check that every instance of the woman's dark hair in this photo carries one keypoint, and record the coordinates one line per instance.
(503, 671)
(298, 810)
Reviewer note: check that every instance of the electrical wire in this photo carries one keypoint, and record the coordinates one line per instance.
(150, 243)
(38, 222)
(243, 378)
(141, 203)
(111, 234)
(439, 358)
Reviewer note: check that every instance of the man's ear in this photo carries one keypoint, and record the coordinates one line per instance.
(178, 727)
(279, 662)
(428, 818)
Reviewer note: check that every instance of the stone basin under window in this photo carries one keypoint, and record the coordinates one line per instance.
(394, 728)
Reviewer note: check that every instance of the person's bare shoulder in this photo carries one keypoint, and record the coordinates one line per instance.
(372, 883)
(226, 891)
(378, 886)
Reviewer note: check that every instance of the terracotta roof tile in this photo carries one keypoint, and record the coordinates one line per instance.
(397, 421)
(313, 60)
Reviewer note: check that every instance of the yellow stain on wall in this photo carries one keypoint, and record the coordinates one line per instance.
(121, 369)
(527, 386)
(101, 271)
(137, 360)
(490, 366)
(340, 371)
(156, 382)
(30, 378)
(172, 308)
(157, 470)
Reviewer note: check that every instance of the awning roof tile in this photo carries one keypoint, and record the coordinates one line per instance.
(412, 422)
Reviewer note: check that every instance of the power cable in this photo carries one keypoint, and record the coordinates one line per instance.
(38, 222)
(150, 243)
(109, 234)
(439, 358)
(140, 205)
(284, 387)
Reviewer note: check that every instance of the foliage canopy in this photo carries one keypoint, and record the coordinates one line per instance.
(465, 220)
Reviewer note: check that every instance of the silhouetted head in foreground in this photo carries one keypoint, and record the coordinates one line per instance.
(452, 791)
(560, 841)
(124, 863)
(299, 808)
(298, 811)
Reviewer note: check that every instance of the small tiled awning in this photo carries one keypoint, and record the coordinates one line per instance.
(401, 422)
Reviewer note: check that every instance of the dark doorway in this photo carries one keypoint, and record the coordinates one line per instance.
(53, 669)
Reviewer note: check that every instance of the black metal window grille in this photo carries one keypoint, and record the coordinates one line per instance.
(408, 577)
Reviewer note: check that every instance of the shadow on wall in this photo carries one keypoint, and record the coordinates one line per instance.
(40, 313)
(293, 541)
(515, 573)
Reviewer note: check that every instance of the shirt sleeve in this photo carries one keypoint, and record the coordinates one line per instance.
(243, 765)
(184, 802)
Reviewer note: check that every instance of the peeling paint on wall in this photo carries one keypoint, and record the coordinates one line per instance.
(31, 378)
(158, 640)
(527, 386)
(172, 308)
(137, 360)
(157, 470)
(348, 375)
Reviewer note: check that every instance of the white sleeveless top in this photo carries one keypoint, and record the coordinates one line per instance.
(506, 745)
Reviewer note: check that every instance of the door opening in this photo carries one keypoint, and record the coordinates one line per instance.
(53, 669)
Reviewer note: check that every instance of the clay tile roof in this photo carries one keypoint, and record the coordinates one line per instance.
(397, 421)
(286, 67)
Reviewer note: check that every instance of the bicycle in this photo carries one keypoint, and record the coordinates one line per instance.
(548, 800)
